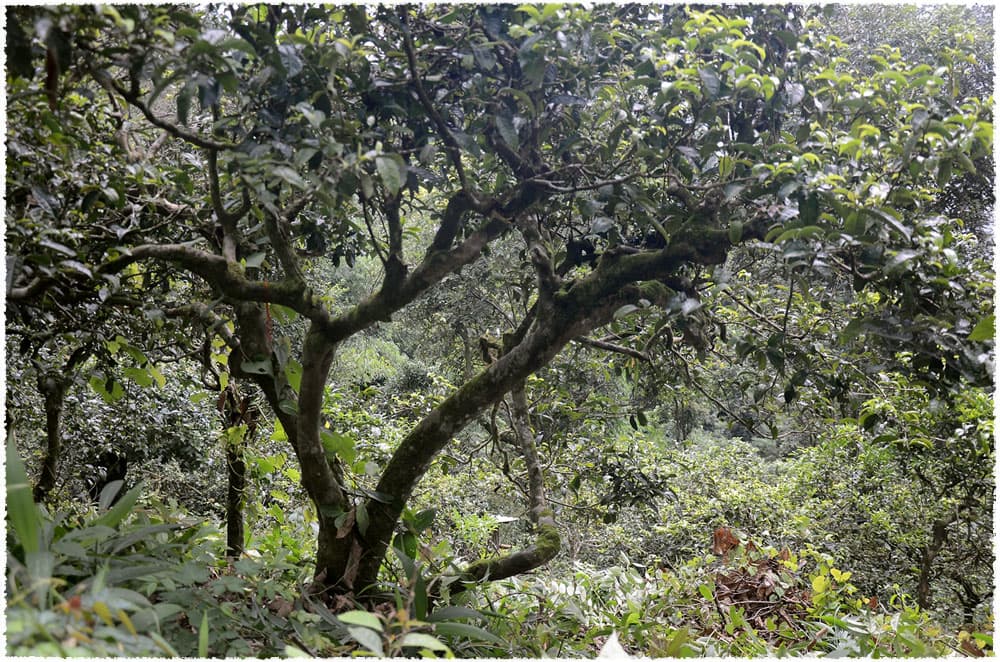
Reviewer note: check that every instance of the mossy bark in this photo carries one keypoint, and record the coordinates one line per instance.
(547, 539)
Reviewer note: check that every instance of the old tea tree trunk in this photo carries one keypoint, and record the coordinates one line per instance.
(251, 212)
(615, 166)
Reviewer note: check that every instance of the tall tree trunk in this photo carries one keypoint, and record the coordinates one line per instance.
(927, 557)
(240, 418)
(52, 385)
(418, 449)
(236, 474)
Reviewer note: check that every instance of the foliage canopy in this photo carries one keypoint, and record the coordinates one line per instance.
(693, 192)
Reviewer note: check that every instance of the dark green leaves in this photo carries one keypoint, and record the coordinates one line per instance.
(21, 509)
(711, 82)
(19, 59)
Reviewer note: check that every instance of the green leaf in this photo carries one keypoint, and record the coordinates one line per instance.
(855, 225)
(892, 222)
(293, 373)
(422, 640)
(726, 165)
(944, 173)
(313, 116)
(367, 638)
(706, 591)
(139, 376)
(809, 209)
(521, 96)
(120, 510)
(419, 594)
(78, 267)
(21, 509)
(392, 170)
(164, 644)
(257, 367)
(256, 259)
(735, 232)
(452, 612)
(984, 330)
(505, 125)
(965, 162)
(550, 10)
(423, 519)
(363, 618)
(710, 79)
(56, 246)
(203, 636)
(361, 517)
(157, 376)
(289, 175)
(338, 444)
(109, 389)
(530, 10)
(900, 258)
(471, 632)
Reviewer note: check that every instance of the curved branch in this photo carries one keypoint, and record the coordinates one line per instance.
(275, 227)
(226, 277)
(436, 265)
(133, 99)
(228, 220)
(36, 286)
(451, 145)
(547, 541)
(611, 347)
(212, 321)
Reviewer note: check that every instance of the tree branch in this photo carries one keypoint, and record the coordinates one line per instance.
(436, 265)
(35, 286)
(133, 99)
(451, 145)
(547, 541)
(611, 347)
(230, 231)
(226, 277)
(275, 226)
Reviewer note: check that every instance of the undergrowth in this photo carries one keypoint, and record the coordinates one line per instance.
(137, 577)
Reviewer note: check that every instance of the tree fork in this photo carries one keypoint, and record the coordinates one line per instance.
(547, 540)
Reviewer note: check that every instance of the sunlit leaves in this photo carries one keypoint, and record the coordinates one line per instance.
(984, 329)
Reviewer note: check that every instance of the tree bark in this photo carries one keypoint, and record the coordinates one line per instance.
(52, 385)
(927, 557)
(547, 542)
(236, 474)
(560, 316)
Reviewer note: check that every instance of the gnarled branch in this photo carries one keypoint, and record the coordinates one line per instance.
(547, 540)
